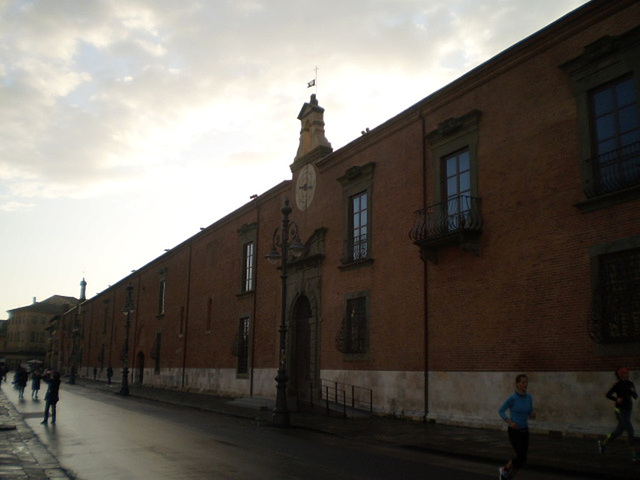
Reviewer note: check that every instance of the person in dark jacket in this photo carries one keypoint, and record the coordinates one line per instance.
(35, 384)
(622, 393)
(52, 379)
(21, 381)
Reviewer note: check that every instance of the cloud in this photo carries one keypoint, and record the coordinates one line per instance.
(98, 92)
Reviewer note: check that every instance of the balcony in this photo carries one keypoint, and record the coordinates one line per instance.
(454, 222)
(614, 171)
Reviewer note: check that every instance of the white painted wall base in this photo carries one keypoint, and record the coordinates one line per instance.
(568, 402)
(573, 403)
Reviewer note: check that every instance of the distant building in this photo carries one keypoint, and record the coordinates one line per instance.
(488, 230)
(27, 338)
(3, 341)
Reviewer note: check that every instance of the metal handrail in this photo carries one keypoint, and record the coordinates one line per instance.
(346, 396)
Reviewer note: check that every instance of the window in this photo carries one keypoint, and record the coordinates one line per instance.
(209, 315)
(457, 188)
(454, 150)
(358, 247)
(105, 318)
(452, 213)
(616, 136)
(604, 84)
(248, 259)
(182, 323)
(101, 356)
(615, 313)
(155, 352)
(248, 234)
(357, 186)
(242, 346)
(162, 296)
(353, 334)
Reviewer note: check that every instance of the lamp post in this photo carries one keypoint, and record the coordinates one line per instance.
(74, 347)
(281, 241)
(128, 309)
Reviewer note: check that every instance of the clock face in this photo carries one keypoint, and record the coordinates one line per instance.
(305, 187)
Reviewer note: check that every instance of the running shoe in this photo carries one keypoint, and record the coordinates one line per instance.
(504, 474)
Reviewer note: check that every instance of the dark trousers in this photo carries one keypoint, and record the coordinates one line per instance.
(519, 440)
(49, 404)
(624, 424)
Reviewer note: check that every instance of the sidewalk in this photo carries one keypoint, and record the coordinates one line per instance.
(578, 457)
(22, 455)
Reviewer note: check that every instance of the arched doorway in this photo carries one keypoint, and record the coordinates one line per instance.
(140, 368)
(303, 376)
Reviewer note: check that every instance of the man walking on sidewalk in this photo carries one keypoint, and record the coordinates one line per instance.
(52, 379)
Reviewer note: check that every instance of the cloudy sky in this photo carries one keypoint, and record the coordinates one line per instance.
(128, 125)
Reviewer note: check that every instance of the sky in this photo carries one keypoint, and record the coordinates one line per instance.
(125, 127)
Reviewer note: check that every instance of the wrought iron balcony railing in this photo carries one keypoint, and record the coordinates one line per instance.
(615, 170)
(456, 221)
(455, 215)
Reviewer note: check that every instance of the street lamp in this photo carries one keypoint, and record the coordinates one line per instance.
(281, 237)
(128, 309)
(74, 347)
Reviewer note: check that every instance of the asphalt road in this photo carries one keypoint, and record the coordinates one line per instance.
(103, 436)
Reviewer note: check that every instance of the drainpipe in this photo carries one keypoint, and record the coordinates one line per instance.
(113, 325)
(255, 298)
(136, 336)
(186, 317)
(425, 278)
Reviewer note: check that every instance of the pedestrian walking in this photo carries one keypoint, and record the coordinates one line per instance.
(35, 384)
(52, 379)
(109, 375)
(21, 381)
(520, 407)
(622, 393)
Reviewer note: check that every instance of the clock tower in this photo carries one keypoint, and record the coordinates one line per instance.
(313, 146)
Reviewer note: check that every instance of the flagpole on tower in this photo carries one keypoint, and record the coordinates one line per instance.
(314, 82)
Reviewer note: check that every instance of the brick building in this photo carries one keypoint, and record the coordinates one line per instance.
(490, 229)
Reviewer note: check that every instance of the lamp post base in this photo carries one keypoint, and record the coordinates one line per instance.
(280, 419)
(281, 412)
(124, 389)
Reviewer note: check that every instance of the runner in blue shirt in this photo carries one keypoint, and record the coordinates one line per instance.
(520, 407)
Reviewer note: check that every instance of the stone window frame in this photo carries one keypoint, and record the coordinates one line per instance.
(595, 252)
(357, 180)
(242, 346)
(365, 351)
(602, 62)
(162, 293)
(451, 136)
(248, 235)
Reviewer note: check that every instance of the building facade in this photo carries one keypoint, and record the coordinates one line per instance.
(488, 230)
(27, 337)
